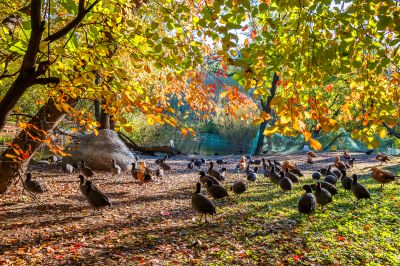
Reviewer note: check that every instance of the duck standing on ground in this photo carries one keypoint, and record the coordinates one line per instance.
(216, 191)
(82, 185)
(383, 158)
(33, 186)
(345, 180)
(359, 191)
(214, 173)
(86, 171)
(204, 178)
(191, 164)
(307, 203)
(252, 174)
(96, 198)
(238, 187)
(322, 195)
(202, 204)
(115, 169)
(68, 169)
(381, 176)
(285, 183)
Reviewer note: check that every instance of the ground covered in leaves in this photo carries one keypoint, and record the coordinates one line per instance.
(153, 224)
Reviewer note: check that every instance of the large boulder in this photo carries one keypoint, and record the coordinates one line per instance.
(98, 151)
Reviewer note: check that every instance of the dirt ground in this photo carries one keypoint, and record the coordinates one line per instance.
(147, 224)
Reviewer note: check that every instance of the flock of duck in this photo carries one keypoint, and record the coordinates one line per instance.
(285, 175)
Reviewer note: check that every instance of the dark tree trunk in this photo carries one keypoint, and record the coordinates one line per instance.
(104, 120)
(97, 110)
(112, 123)
(31, 69)
(266, 107)
(28, 141)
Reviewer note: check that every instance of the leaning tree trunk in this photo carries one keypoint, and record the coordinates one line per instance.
(28, 141)
(266, 108)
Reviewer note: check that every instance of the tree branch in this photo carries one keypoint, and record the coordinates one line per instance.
(73, 23)
(391, 130)
(45, 81)
(36, 35)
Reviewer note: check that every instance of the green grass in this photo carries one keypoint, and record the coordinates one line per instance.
(266, 224)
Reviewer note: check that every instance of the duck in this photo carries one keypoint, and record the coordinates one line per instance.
(216, 191)
(204, 178)
(203, 160)
(345, 180)
(191, 164)
(381, 176)
(163, 165)
(325, 171)
(350, 162)
(214, 173)
(337, 173)
(291, 176)
(135, 171)
(383, 158)
(86, 171)
(68, 168)
(332, 179)
(322, 195)
(274, 177)
(202, 204)
(34, 186)
(96, 198)
(159, 172)
(238, 187)
(286, 164)
(339, 164)
(255, 162)
(369, 152)
(82, 185)
(52, 159)
(220, 161)
(296, 171)
(222, 172)
(316, 175)
(115, 169)
(307, 203)
(285, 183)
(264, 166)
(346, 155)
(252, 174)
(161, 160)
(198, 163)
(328, 186)
(309, 160)
(359, 191)
(242, 163)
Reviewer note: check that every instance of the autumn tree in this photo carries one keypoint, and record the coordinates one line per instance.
(307, 43)
(129, 55)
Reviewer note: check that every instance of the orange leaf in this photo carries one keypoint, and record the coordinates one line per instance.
(315, 144)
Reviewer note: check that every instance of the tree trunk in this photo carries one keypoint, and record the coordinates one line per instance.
(149, 150)
(266, 107)
(29, 141)
(97, 110)
(104, 120)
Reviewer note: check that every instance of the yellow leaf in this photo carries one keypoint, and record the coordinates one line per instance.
(257, 121)
(95, 132)
(223, 94)
(270, 131)
(128, 127)
(315, 144)
(383, 133)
